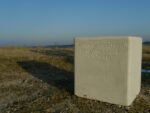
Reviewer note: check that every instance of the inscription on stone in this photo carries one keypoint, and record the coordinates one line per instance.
(97, 50)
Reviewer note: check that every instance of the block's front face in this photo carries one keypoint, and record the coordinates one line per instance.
(101, 68)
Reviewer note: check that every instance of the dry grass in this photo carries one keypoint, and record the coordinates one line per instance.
(40, 80)
(146, 53)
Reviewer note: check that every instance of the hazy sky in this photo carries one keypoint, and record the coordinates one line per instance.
(42, 22)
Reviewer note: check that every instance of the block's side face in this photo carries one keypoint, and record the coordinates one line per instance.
(134, 68)
(101, 69)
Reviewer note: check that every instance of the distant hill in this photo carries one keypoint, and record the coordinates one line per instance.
(59, 46)
(146, 43)
(72, 46)
(56, 46)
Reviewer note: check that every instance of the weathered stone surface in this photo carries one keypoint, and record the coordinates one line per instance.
(108, 68)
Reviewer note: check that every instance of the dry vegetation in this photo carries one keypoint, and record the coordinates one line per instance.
(40, 80)
(146, 53)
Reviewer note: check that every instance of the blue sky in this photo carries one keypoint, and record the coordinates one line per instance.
(44, 22)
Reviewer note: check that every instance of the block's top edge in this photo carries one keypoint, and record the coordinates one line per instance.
(108, 37)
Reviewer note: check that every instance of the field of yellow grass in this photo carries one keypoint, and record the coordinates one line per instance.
(41, 80)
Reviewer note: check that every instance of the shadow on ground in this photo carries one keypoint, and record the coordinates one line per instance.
(60, 78)
(52, 75)
(67, 54)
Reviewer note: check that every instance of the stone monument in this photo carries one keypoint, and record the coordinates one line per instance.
(108, 68)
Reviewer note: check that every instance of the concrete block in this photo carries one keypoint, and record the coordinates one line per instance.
(108, 68)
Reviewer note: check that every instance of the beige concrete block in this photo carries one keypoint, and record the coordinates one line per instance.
(108, 68)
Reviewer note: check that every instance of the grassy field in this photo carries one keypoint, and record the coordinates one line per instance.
(41, 80)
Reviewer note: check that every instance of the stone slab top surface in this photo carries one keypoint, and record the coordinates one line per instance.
(108, 37)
